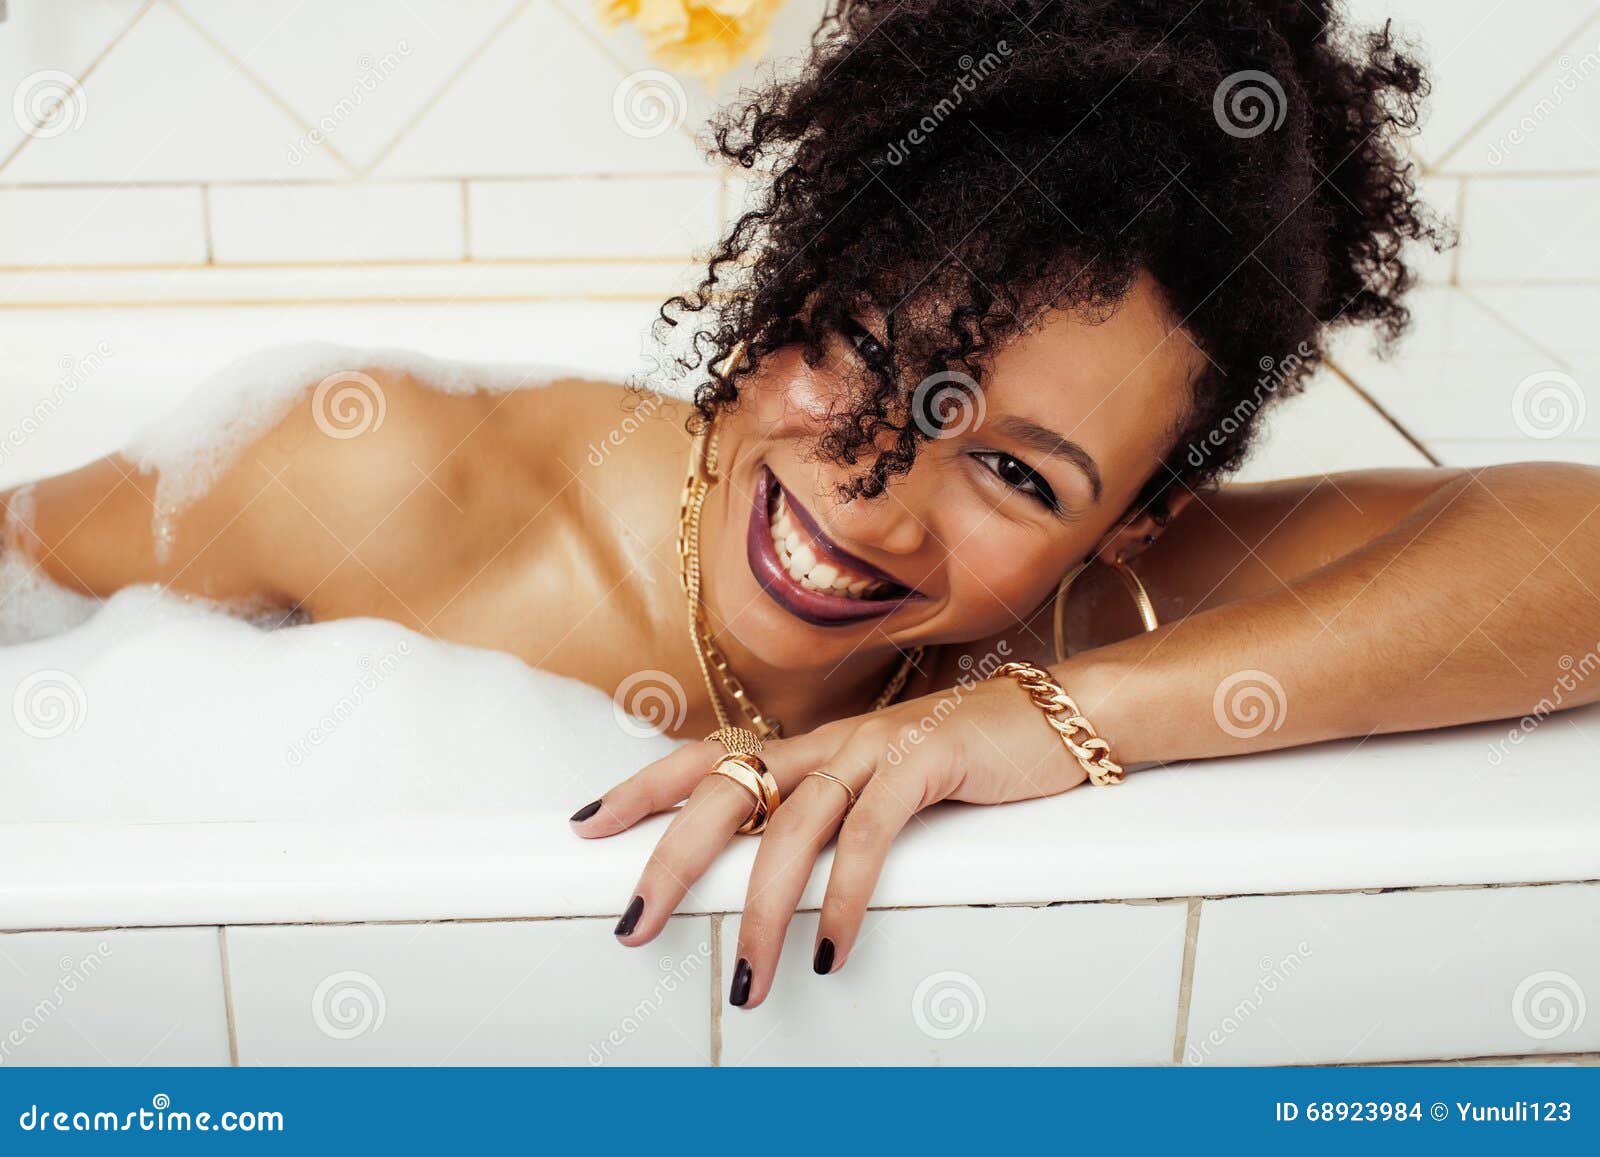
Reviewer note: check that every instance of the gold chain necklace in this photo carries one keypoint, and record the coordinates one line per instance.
(714, 666)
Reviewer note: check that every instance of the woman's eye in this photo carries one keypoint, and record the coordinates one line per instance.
(1020, 476)
(870, 348)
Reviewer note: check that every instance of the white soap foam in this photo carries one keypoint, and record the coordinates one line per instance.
(191, 447)
(164, 709)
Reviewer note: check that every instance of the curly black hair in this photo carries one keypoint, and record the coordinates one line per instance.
(963, 165)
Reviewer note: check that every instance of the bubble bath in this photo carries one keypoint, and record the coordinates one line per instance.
(154, 707)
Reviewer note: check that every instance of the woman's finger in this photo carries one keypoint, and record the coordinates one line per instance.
(657, 787)
(794, 838)
(702, 828)
(717, 807)
(892, 796)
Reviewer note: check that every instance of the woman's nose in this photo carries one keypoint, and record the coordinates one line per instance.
(894, 522)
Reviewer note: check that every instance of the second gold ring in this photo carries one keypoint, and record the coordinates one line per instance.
(750, 773)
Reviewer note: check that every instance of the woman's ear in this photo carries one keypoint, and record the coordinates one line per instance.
(1137, 530)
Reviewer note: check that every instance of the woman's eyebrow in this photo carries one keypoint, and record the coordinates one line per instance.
(1047, 441)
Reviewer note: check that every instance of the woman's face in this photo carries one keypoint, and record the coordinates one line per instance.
(1025, 482)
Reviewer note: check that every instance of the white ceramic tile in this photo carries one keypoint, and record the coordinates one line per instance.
(532, 992)
(1559, 319)
(1463, 373)
(1532, 229)
(419, 221)
(165, 105)
(116, 226)
(1405, 975)
(360, 70)
(1477, 51)
(1326, 429)
(651, 217)
(546, 98)
(972, 986)
(1551, 124)
(44, 49)
(113, 997)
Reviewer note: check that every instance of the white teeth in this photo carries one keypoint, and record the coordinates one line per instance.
(799, 558)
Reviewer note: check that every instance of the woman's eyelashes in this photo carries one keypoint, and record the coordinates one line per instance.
(1020, 477)
(868, 348)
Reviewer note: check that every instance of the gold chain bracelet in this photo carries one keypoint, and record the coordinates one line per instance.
(1092, 753)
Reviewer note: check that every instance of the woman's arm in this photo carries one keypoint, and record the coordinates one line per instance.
(1481, 601)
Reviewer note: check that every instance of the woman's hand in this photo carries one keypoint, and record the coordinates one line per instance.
(980, 742)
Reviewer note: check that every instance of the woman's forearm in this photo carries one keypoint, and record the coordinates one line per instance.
(1482, 603)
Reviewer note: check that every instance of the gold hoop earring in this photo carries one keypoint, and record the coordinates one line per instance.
(1141, 602)
(724, 370)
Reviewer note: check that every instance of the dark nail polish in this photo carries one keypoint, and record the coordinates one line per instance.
(823, 964)
(631, 917)
(740, 992)
(585, 812)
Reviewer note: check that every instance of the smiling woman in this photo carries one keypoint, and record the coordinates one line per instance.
(930, 377)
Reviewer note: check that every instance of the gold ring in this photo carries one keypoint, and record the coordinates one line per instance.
(751, 774)
(737, 740)
(848, 790)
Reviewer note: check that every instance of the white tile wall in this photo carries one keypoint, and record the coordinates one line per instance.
(523, 219)
(527, 992)
(149, 996)
(410, 221)
(1075, 984)
(160, 225)
(1352, 977)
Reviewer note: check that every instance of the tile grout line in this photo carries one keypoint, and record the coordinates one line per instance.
(1377, 408)
(1191, 940)
(227, 996)
(716, 991)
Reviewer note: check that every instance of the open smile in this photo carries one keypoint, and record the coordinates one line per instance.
(807, 573)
